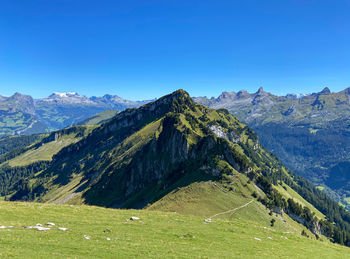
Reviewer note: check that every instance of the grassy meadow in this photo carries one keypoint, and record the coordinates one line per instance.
(156, 235)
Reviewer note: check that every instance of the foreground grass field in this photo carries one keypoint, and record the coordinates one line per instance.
(156, 235)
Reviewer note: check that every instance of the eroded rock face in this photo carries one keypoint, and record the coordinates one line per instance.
(220, 133)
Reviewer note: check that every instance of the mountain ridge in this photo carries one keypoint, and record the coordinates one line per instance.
(314, 118)
(308, 133)
(23, 115)
(167, 151)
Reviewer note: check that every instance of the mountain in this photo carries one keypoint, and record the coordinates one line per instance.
(171, 155)
(309, 132)
(17, 115)
(22, 115)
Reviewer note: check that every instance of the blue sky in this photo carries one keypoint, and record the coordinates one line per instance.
(145, 49)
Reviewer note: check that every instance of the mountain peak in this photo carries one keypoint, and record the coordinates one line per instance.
(243, 93)
(325, 91)
(19, 96)
(63, 95)
(180, 92)
(225, 95)
(179, 95)
(260, 90)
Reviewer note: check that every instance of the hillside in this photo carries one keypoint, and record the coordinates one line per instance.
(156, 235)
(165, 156)
(309, 133)
(99, 118)
(24, 156)
(14, 142)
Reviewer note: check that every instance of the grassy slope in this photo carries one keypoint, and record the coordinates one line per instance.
(347, 200)
(158, 234)
(207, 198)
(47, 150)
(290, 193)
(99, 118)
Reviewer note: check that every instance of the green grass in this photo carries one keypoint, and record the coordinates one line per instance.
(347, 199)
(290, 193)
(45, 152)
(100, 118)
(321, 188)
(156, 235)
(208, 198)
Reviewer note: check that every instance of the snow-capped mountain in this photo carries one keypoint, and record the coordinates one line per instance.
(21, 114)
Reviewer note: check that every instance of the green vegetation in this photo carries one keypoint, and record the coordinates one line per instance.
(165, 156)
(347, 200)
(308, 133)
(15, 142)
(155, 235)
(44, 152)
(22, 163)
(321, 188)
(99, 118)
(288, 192)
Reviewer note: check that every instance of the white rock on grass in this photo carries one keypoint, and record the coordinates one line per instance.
(2, 227)
(269, 237)
(208, 220)
(63, 229)
(108, 238)
(38, 225)
(86, 237)
(50, 224)
(134, 218)
(42, 228)
(257, 239)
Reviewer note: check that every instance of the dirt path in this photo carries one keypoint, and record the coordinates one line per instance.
(258, 190)
(232, 210)
(220, 188)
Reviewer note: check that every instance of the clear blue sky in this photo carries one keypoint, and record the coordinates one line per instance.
(145, 49)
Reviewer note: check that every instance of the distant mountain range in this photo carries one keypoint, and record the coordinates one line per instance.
(23, 115)
(310, 133)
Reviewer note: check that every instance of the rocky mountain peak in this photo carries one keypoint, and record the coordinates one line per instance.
(347, 91)
(225, 95)
(63, 95)
(19, 96)
(325, 91)
(242, 94)
(260, 90)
